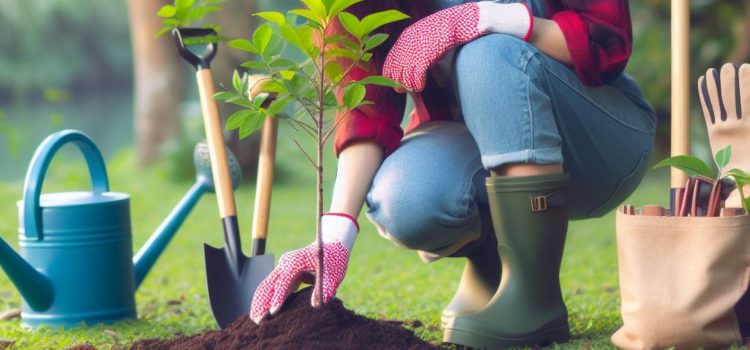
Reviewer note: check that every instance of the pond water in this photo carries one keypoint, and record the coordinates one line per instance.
(106, 115)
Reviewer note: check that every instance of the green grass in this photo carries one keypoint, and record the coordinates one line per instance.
(383, 281)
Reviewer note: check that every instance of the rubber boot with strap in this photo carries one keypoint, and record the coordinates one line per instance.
(481, 274)
(530, 216)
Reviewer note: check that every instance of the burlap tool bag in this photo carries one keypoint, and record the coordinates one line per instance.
(680, 279)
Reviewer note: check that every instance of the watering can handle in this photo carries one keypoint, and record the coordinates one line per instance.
(32, 215)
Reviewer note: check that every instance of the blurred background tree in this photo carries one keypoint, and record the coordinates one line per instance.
(70, 64)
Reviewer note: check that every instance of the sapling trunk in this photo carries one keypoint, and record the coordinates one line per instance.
(319, 167)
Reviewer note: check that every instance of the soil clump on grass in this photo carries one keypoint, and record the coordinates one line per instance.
(299, 326)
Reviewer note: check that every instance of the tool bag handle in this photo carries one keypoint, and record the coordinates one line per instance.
(32, 214)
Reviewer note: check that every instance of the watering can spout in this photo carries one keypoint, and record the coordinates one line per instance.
(35, 287)
(146, 257)
(144, 260)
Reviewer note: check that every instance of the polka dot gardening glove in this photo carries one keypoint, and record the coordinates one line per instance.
(423, 43)
(296, 267)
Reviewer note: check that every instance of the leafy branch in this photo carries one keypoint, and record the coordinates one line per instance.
(185, 13)
(311, 83)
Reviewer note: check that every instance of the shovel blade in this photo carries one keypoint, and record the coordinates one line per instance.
(231, 293)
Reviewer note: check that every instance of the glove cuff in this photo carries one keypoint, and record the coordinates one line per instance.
(514, 19)
(339, 227)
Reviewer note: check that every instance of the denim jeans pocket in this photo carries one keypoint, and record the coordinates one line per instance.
(624, 188)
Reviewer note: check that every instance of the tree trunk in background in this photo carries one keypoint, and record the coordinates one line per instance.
(158, 80)
(741, 53)
(237, 22)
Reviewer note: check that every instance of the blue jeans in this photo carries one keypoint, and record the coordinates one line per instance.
(518, 105)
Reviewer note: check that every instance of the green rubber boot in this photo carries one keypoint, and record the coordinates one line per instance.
(530, 216)
(481, 274)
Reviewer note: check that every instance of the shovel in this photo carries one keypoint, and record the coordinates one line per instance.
(231, 276)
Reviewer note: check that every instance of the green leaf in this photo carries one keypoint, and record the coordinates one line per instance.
(375, 41)
(213, 1)
(237, 82)
(277, 106)
(290, 35)
(309, 14)
(262, 36)
(351, 24)
(333, 71)
(240, 101)
(287, 74)
(330, 100)
(740, 176)
(351, 45)
(366, 57)
(237, 118)
(244, 45)
(691, 165)
(163, 31)
(305, 33)
(340, 5)
(170, 22)
(251, 124)
(253, 65)
(379, 19)
(316, 6)
(274, 49)
(258, 101)
(272, 16)
(222, 95)
(198, 13)
(379, 80)
(354, 93)
(282, 63)
(723, 156)
(334, 39)
(274, 86)
(335, 53)
(167, 11)
(328, 4)
(183, 4)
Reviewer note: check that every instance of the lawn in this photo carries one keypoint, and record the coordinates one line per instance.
(382, 282)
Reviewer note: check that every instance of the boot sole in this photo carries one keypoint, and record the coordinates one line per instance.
(475, 340)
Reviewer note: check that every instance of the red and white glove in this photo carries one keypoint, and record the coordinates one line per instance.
(423, 43)
(295, 267)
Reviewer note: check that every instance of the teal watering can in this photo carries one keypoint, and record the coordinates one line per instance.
(75, 264)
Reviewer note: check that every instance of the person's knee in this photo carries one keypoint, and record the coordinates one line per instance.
(493, 53)
(418, 220)
(400, 216)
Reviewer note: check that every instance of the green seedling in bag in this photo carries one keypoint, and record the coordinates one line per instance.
(694, 166)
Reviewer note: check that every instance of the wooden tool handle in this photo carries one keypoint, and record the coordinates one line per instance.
(680, 142)
(264, 183)
(216, 148)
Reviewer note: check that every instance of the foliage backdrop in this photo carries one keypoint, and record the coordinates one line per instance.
(72, 45)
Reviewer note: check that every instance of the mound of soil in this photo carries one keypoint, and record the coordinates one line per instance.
(299, 326)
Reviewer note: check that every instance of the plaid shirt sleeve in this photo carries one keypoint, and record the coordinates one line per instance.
(599, 36)
(379, 121)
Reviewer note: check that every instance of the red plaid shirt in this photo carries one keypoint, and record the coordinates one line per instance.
(599, 38)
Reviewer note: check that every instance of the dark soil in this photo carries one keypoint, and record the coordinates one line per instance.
(299, 326)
